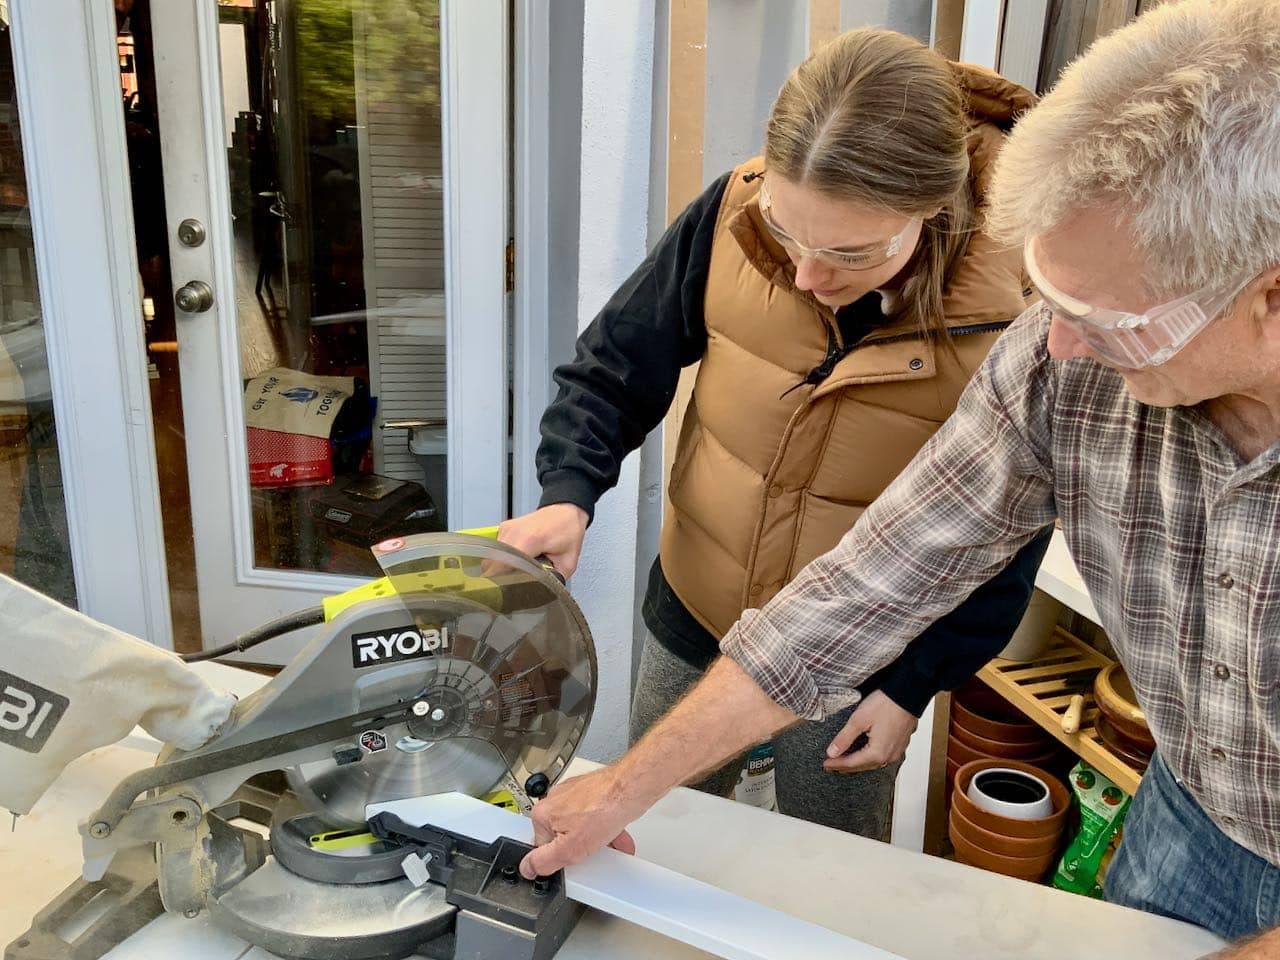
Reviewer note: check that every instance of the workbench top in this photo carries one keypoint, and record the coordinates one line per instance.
(917, 906)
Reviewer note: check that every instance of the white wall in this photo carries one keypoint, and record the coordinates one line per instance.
(650, 504)
(751, 47)
(617, 79)
(907, 16)
(565, 162)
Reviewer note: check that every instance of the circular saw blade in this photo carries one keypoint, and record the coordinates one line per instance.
(507, 690)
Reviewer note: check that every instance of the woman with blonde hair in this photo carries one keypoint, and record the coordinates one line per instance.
(838, 293)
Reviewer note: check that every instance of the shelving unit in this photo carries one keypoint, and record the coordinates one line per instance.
(917, 812)
(1041, 689)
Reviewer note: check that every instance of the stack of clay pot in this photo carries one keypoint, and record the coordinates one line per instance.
(985, 726)
(1121, 724)
(1027, 848)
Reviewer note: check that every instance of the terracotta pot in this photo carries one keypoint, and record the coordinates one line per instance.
(1019, 732)
(977, 697)
(1024, 868)
(1120, 745)
(1000, 843)
(1027, 829)
(1117, 702)
(962, 753)
(1001, 748)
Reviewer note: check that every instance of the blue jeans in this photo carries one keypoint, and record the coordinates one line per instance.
(1175, 861)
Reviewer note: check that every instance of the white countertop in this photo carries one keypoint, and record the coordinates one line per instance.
(919, 907)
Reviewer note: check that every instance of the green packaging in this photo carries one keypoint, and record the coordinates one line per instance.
(1102, 806)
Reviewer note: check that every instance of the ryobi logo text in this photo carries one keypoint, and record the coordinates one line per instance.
(397, 643)
(28, 713)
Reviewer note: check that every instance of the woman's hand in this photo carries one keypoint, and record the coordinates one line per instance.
(888, 728)
(554, 531)
(577, 818)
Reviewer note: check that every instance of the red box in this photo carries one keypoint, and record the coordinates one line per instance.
(279, 459)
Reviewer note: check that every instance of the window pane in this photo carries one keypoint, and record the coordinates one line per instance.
(33, 525)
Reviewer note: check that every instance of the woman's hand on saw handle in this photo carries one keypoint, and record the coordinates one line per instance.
(555, 531)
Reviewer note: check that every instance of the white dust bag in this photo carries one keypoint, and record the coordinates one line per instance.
(69, 684)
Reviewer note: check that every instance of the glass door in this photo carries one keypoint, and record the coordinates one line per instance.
(34, 544)
(335, 199)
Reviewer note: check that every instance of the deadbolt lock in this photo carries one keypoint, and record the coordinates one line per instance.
(194, 297)
(191, 232)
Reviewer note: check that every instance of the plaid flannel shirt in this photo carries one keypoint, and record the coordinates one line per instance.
(1175, 536)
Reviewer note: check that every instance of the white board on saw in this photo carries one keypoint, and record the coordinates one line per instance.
(644, 893)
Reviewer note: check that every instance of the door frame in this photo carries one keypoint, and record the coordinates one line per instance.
(67, 76)
(547, 76)
(531, 309)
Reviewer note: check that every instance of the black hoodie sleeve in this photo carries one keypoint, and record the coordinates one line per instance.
(959, 644)
(623, 377)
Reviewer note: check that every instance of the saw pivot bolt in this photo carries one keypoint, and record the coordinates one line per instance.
(421, 708)
(537, 785)
(437, 714)
(100, 830)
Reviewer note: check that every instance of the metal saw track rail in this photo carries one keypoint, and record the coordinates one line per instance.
(188, 768)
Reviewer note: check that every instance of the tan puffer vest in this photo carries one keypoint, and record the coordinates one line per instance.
(764, 482)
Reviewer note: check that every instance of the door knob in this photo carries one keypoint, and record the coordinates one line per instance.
(194, 297)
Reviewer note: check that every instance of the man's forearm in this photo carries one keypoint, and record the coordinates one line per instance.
(722, 715)
(1263, 946)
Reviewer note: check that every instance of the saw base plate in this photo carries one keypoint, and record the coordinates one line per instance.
(295, 917)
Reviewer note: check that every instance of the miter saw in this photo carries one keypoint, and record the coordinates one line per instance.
(468, 667)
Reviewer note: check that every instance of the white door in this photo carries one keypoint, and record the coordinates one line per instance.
(336, 193)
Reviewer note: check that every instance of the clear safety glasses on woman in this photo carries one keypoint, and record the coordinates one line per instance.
(1132, 340)
(854, 257)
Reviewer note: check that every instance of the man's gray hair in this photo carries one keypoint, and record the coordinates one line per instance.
(1176, 117)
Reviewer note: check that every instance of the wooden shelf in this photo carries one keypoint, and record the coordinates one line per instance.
(1042, 688)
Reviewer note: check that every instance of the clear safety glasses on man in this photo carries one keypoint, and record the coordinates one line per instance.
(1132, 340)
(854, 257)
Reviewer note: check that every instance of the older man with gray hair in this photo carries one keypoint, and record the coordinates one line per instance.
(1139, 404)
